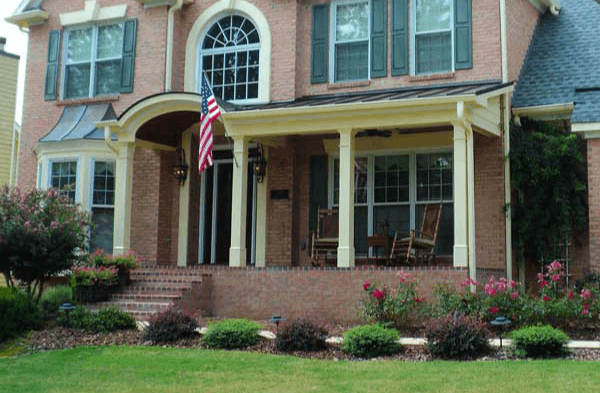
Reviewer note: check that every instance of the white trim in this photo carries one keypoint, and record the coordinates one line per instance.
(92, 12)
(194, 38)
(332, 39)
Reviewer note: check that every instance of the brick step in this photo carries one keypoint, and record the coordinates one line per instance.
(166, 272)
(133, 305)
(145, 296)
(164, 278)
(158, 287)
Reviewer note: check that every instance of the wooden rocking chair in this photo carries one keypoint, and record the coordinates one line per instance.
(325, 238)
(418, 245)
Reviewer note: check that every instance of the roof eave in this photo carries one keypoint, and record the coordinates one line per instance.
(543, 5)
(28, 19)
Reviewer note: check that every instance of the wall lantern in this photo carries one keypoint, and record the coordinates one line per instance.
(260, 164)
(181, 168)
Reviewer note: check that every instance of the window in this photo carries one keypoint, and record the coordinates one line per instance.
(103, 206)
(395, 189)
(433, 36)
(350, 41)
(92, 65)
(63, 177)
(230, 58)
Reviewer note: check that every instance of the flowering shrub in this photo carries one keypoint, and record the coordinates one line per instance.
(398, 307)
(92, 275)
(457, 336)
(121, 262)
(41, 234)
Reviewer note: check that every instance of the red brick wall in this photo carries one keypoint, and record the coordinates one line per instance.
(149, 74)
(330, 295)
(489, 202)
(593, 161)
(168, 210)
(486, 53)
(521, 19)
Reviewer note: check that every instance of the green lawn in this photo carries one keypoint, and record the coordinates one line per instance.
(148, 369)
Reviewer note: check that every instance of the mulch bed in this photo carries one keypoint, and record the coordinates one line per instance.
(53, 337)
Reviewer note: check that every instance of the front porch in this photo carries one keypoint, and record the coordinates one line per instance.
(443, 145)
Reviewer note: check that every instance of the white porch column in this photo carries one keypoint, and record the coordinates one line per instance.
(460, 255)
(123, 188)
(184, 204)
(345, 257)
(237, 252)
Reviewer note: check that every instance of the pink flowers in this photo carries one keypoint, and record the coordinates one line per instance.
(543, 284)
(514, 295)
(556, 278)
(54, 224)
(586, 309)
(404, 276)
(378, 294)
(469, 281)
(366, 286)
(586, 294)
(493, 310)
(571, 295)
(546, 298)
(27, 224)
(555, 265)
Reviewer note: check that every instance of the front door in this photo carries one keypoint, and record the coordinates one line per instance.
(215, 213)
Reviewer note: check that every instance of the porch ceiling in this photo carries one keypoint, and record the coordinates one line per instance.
(425, 106)
(164, 129)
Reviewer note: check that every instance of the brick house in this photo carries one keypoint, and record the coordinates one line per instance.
(375, 107)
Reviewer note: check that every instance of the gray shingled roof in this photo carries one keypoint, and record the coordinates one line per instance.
(563, 62)
(79, 122)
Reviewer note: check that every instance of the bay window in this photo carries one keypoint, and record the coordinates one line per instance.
(63, 177)
(103, 205)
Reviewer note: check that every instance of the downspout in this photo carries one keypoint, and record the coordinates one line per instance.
(506, 128)
(169, 56)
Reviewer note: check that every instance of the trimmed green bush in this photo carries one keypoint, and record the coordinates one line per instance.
(104, 321)
(170, 325)
(53, 297)
(232, 334)
(370, 340)
(300, 335)
(17, 313)
(539, 342)
(457, 337)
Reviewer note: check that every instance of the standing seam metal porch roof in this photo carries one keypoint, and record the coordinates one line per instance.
(402, 93)
(79, 122)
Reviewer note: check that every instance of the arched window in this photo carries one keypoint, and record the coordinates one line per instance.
(230, 58)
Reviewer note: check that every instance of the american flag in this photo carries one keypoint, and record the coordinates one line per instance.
(210, 111)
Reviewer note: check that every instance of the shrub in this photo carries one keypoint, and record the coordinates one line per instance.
(53, 297)
(370, 340)
(124, 262)
(170, 325)
(457, 337)
(232, 334)
(18, 313)
(105, 320)
(92, 275)
(539, 342)
(301, 335)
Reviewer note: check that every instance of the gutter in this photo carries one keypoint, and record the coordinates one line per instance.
(506, 126)
(169, 56)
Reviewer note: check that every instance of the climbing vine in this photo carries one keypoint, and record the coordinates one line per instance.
(549, 180)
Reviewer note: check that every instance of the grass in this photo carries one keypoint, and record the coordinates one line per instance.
(153, 369)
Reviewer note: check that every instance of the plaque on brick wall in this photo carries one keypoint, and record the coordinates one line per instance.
(280, 194)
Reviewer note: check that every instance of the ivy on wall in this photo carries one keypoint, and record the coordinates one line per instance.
(549, 182)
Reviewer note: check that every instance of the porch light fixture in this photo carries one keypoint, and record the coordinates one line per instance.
(181, 168)
(260, 164)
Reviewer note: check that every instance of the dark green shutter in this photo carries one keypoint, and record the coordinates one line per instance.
(320, 36)
(463, 42)
(378, 38)
(128, 63)
(318, 190)
(399, 37)
(50, 91)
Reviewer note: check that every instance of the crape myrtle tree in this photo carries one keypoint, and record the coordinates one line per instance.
(549, 183)
(41, 234)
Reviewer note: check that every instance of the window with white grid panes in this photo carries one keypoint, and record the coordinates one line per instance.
(103, 201)
(350, 41)
(92, 65)
(360, 180)
(63, 177)
(433, 41)
(230, 58)
(434, 177)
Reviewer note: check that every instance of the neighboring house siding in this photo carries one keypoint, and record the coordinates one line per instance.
(9, 67)
(521, 18)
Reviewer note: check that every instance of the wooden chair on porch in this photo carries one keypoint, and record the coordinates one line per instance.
(325, 237)
(418, 246)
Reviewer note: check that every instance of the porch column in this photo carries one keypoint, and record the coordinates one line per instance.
(237, 252)
(460, 254)
(184, 204)
(345, 255)
(123, 189)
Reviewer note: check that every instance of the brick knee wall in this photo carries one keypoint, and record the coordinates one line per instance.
(319, 294)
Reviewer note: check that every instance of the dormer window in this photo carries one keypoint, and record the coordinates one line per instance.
(230, 58)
